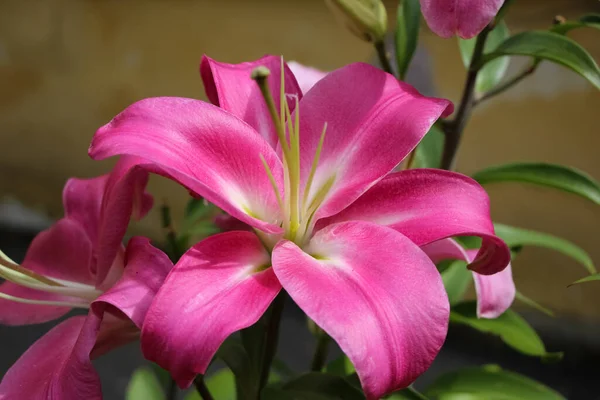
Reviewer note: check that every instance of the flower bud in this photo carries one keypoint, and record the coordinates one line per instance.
(367, 19)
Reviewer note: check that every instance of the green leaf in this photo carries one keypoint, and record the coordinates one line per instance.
(586, 21)
(516, 237)
(314, 385)
(237, 359)
(492, 73)
(407, 33)
(407, 394)
(221, 384)
(144, 386)
(489, 383)
(341, 366)
(551, 175)
(510, 327)
(595, 277)
(457, 279)
(533, 304)
(429, 152)
(552, 47)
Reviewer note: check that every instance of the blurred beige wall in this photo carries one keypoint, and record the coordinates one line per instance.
(67, 67)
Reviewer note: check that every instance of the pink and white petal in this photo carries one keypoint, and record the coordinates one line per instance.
(466, 18)
(231, 87)
(427, 205)
(14, 313)
(371, 127)
(57, 366)
(63, 251)
(146, 268)
(124, 197)
(373, 291)
(221, 285)
(495, 293)
(306, 76)
(206, 149)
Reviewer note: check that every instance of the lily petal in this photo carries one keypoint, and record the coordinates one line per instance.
(306, 76)
(208, 150)
(427, 205)
(373, 291)
(145, 271)
(371, 127)
(465, 18)
(218, 287)
(57, 366)
(495, 293)
(230, 87)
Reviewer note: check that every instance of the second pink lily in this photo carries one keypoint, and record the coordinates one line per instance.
(332, 225)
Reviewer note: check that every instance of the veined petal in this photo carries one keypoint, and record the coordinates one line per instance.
(371, 127)
(145, 271)
(306, 76)
(495, 293)
(427, 205)
(466, 18)
(373, 291)
(230, 87)
(82, 201)
(221, 285)
(57, 366)
(208, 150)
(124, 197)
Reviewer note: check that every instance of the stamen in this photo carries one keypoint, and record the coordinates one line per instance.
(273, 183)
(44, 302)
(260, 75)
(313, 168)
(24, 271)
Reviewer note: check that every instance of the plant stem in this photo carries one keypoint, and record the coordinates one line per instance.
(384, 60)
(453, 130)
(508, 84)
(320, 356)
(202, 389)
(172, 395)
(271, 339)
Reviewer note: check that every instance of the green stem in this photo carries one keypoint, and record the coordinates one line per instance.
(172, 395)
(202, 389)
(508, 84)
(174, 251)
(320, 356)
(454, 129)
(271, 339)
(384, 60)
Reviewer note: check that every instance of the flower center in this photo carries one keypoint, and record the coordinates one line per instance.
(297, 207)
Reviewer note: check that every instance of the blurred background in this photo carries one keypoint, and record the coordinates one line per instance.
(67, 67)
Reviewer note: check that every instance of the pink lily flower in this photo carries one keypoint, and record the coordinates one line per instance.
(495, 293)
(298, 178)
(465, 18)
(80, 262)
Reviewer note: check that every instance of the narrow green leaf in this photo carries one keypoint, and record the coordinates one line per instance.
(549, 46)
(429, 152)
(407, 394)
(492, 73)
(237, 359)
(341, 366)
(533, 304)
(317, 386)
(555, 176)
(586, 21)
(595, 277)
(144, 386)
(407, 33)
(510, 327)
(516, 237)
(489, 384)
(457, 279)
